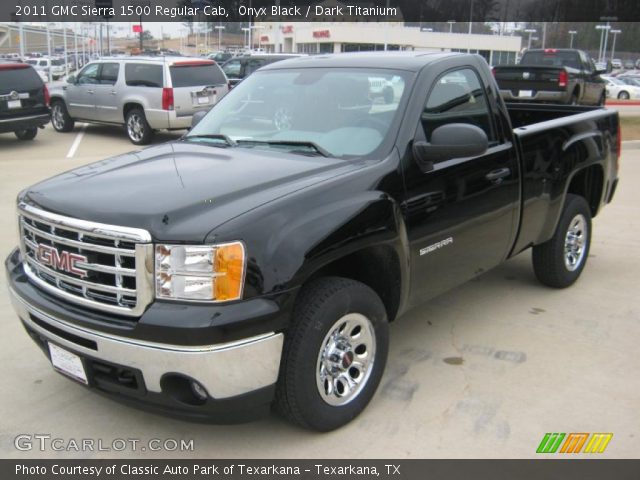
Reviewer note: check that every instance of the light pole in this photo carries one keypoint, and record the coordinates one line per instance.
(246, 35)
(470, 25)
(613, 45)
(451, 22)
(257, 27)
(604, 34)
(530, 31)
(219, 28)
(49, 74)
(572, 33)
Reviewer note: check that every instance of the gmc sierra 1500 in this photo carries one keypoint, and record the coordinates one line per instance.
(258, 260)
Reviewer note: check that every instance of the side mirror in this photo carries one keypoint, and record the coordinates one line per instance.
(71, 79)
(455, 140)
(195, 119)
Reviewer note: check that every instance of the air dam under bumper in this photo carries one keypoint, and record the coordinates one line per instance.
(239, 376)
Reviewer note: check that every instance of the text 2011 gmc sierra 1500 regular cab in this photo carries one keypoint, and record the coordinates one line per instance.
(258, 260)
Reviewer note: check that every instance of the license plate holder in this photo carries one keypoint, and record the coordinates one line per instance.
(525, 93)
(67, 363)
(14, 103)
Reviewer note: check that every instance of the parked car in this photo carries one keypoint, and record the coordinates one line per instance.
(617, 88)
(552, 75)
(55, 65)
(143, 94)
(220, 57)
(239, 68)
(24, 100)
(629, 64)
(616, 63)
(257, 261)
(633, 80)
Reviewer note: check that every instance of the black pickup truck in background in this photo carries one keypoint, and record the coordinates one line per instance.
(258, 260)
(552, 75)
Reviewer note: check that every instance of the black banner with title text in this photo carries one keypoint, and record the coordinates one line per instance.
(316, 10)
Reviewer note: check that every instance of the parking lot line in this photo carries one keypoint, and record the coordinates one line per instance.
(76, 142)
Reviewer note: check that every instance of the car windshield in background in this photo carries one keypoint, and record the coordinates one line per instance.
(551, 58)
(338, 112)
(57, 62)
(192, 74)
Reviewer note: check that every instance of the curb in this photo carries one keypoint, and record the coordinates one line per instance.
(631, 144)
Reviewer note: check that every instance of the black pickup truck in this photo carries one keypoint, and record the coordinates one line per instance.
(552, 75)
(258, 260)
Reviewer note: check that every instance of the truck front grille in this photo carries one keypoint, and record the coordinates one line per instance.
(95, 265)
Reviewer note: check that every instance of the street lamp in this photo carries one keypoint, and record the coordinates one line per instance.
(219, 28)
(572, 33)
(530, 31)
(246, 35)
(604, 36)
(256, 27)
(613, 45)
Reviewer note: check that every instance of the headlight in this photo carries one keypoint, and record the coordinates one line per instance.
(200, 272)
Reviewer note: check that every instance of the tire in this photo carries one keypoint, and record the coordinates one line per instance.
(624, 95)
(138, 129)
(332, 305)
(26, 133)
(603, 100)
(574, 99)
(555, 267)
(60, 118)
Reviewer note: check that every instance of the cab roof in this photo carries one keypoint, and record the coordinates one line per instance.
(411, 61)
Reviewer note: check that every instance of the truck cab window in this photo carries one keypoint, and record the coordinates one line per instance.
(457, 97)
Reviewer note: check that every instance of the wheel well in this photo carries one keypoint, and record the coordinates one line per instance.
(56, 99)
(128, 107)
(589, 183)
(576, 91)
(377, 267)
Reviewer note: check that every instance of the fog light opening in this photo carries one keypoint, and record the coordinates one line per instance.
(184, 389)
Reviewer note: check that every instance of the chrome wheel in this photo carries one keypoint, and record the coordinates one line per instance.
(345, 360)
(135, 127)
(575, 242)
(57, 116)
(283, 118)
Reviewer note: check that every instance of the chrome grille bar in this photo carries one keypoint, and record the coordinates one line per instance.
(118, 271)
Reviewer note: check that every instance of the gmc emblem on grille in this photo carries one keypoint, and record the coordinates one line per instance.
(65, 261)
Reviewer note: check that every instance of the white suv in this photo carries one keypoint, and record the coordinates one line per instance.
(142, 93)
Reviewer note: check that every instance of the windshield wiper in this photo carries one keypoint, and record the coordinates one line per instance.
(288, 143)
(214, 136)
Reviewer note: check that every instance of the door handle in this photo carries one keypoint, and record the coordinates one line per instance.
(113, 92)
(90, 91)
(496, 176)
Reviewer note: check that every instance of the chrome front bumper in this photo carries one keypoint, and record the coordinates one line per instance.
(225, 370)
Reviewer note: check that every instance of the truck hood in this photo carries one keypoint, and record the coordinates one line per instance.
(180, 191)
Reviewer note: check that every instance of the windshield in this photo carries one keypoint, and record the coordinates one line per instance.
(331, 111)
(551, 58)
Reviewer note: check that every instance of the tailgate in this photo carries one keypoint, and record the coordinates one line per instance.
(197, 85)
(21, 91)
(532, 79)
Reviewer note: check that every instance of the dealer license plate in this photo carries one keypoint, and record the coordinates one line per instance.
(14, 103)
(525, 93)
(202, 100)
(67, 363)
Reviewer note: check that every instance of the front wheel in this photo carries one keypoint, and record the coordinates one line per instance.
(26, 133)
(334, 354)
(623, 95)
(559, 262)
(60, 118)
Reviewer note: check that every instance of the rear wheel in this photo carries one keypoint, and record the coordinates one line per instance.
(559, 262)
(603, 99)
(26, 133)
(334, 354)
(574, 99)
(138, 129)
(623, 95)
(60, 118)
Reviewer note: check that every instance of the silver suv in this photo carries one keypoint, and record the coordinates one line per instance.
(142, 93)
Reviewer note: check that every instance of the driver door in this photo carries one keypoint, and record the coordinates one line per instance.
(81, 93)
(461, 215)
